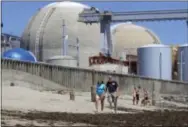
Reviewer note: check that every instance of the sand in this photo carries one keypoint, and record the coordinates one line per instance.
(27, 99)
(23, 97)
(32, 93)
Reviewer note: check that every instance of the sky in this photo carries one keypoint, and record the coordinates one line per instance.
(15, 16)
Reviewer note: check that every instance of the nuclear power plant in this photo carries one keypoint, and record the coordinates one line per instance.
(55, 36)
(44, 33)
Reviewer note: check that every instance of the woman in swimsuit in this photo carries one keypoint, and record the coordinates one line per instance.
(100, 95)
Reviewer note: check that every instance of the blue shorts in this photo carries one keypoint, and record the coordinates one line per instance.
(100, 93)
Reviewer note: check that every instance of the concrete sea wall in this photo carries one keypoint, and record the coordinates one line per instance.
(83, 79)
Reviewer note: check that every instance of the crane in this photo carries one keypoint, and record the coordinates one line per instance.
(105, 18)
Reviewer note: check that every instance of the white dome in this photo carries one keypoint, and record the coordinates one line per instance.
(49, 21)
(128, 35)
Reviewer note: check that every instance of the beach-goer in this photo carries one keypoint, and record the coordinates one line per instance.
(112, 90)
(100, 95)
(146, 98)
(137, 95)
(134, 95)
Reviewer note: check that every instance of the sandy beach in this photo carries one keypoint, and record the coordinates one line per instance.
(29, 98)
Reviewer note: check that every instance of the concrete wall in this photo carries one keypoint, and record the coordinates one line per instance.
(20, 78)
(82, 79)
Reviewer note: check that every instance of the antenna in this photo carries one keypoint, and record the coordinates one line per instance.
(65, 38)
(78, 51)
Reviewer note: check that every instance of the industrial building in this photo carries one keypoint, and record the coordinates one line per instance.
(55, 36)
(44, 33)
(9, 41)
(47, 30)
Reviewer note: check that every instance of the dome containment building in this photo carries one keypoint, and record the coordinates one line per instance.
(126, 38)
(44, 30)
(131, 36)
(19, 54)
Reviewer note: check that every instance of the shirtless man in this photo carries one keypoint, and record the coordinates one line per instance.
(134, 95)
(137, 95)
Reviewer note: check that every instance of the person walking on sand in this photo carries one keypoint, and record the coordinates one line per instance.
(134, 95)
(100, 95)
(137, 95)
(146, 98)
(112, 90)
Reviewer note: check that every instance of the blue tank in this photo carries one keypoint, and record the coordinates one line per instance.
(19, 54)
(183, 62)
(155, 61)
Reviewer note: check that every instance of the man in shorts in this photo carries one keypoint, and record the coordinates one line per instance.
(112, 90)
(138, 95)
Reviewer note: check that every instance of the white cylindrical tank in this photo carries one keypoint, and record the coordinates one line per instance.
(115, 68)
(155, 61)
(183, 62)
(67, 61)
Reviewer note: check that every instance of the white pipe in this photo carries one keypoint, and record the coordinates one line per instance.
(160, 65)
(78, 52)
(181, 65)
(187, 29)
(65, 45)
(65, 38)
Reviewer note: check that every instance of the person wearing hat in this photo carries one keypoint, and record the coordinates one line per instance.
(112, 90)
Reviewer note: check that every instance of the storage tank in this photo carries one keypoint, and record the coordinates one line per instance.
(155, 61)
(183, 62)
(115, 68)
(62, 61)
